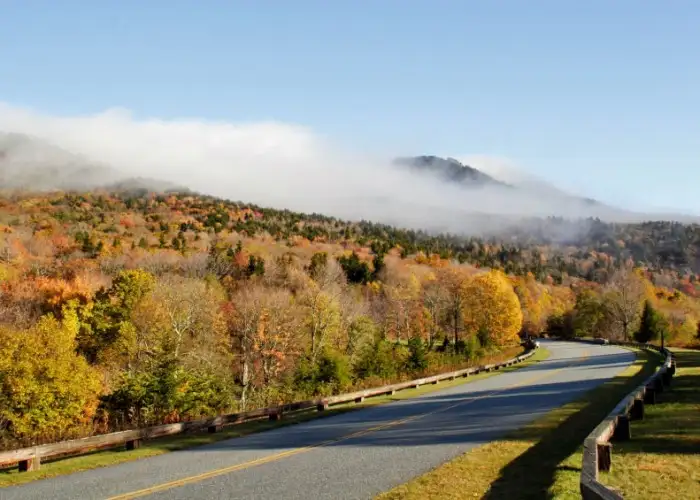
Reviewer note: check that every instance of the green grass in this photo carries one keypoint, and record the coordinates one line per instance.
(104, 458)
(662, 459)
(541, 460)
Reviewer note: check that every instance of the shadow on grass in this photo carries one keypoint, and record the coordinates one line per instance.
(557, 437)
(673, 425)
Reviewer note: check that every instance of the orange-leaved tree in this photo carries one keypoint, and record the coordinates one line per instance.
(490, 308)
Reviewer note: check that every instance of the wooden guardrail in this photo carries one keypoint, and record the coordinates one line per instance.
(28, 459)
(597, 449)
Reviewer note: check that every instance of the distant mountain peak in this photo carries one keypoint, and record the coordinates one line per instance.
(448, 169)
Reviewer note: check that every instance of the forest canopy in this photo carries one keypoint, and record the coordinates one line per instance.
(120, 309)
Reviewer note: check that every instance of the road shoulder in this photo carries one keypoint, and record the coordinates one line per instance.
(529, 462)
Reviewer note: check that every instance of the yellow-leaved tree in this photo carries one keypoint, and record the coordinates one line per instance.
(490, 308)
(45, 387)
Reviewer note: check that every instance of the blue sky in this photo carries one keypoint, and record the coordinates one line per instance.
(601, 97)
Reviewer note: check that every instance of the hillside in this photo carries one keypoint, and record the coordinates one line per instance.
(158, 307)
(551, 247)
(30, 163)
(422, 192)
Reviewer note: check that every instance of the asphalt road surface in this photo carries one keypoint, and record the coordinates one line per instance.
(355, 455)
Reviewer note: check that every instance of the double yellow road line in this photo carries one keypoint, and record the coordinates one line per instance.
(296, 451)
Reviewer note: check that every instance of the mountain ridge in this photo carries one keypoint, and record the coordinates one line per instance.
(448, 169)
(32, 163)
(29, 162)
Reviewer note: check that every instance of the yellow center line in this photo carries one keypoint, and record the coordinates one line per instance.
(296, 451)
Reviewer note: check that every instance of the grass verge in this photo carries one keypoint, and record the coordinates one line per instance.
(104, 458)
(661, 460)
(538, 461)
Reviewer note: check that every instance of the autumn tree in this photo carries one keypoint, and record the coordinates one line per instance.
(361, 331)
(288, 272)
(589, 315)
(320, 301)
(452, 281)
(108, 335)
(45, 387)
(402, 293)
(534, 302)
(435, 301)
(176, 321)
(623, 297)
(263, 327)
(490, 304)
(176, 352)
(322, 318)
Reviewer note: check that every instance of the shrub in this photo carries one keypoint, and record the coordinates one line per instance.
(417, 359)
(330, 373)
(334, 369)
(472, 348)
(377, 360)
(167, 393)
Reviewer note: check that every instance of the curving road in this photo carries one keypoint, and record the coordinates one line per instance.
(353, 455)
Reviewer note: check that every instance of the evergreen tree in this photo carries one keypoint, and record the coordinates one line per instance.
(256, 266)
(355, 270)
(652, 325)
(417, 359)
(378, 264)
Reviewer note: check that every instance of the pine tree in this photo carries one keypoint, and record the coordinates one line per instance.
(651, 325)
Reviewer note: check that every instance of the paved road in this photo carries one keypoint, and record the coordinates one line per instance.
(355, 455)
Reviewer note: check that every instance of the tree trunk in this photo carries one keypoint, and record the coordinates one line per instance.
(455, 321)
(245, 373)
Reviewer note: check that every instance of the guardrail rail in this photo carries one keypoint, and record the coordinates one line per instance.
(597, 447)
(28, 459)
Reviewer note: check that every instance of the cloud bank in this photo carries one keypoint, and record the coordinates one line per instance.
(285, 166)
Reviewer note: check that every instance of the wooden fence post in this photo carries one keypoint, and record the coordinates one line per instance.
(623, 431)
(637, 410)
(604, 456)
(650, 396)
(658, 385)
(32, 464)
